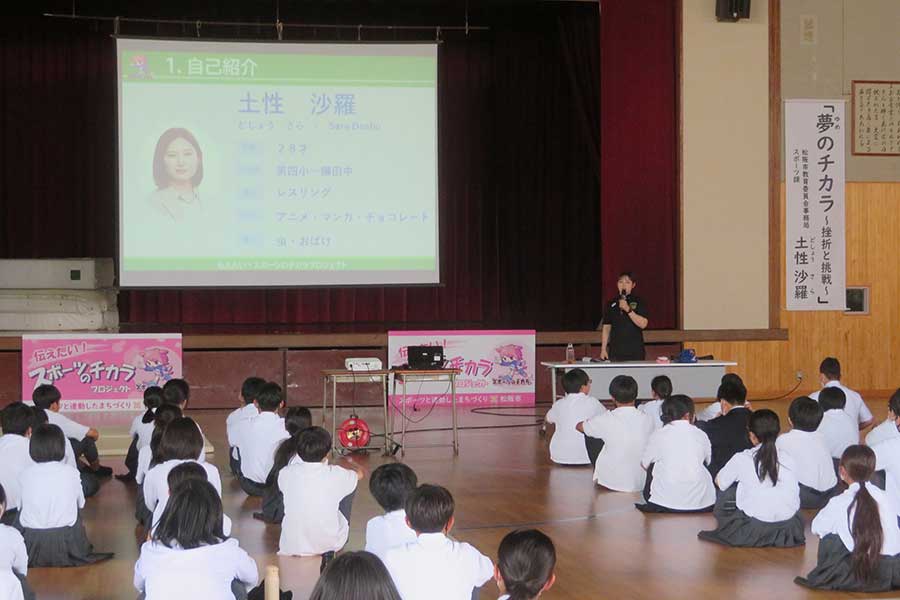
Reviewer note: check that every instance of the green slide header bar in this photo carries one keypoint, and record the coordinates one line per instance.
(287, 263)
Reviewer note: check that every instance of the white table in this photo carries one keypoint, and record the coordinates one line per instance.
(697, 380)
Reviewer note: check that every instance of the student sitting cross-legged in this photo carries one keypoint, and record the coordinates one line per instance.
(141, 431)
(837, 428)
(390, 485)
(715, 409)
(258, 438)
(675, 459)
(830, 377)
(567, 446)
(149, 456)
(728, 432)
(296, 420)
(239, 417)
(760, 503)
(887, 429)
(660, 390)
(806, 446)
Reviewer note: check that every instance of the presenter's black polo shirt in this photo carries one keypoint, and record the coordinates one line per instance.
(626, 340)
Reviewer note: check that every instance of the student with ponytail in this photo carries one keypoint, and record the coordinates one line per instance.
(164, 415)
(859, 549)
(760, 500)
(525, 567)
(141, 431)
(296, 420)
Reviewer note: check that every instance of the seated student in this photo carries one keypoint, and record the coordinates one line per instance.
(189, 555)
(318, 498)
(887, 429)
(660, 390)
(141, 430)
(525, 565)
(728, 433)
(837, 428)
(887, 454)
(830, 377)
(296, 420)
(567, 445)
(249, 390)
(675, 459)
(390, 485)
(435, 566)
(760, 503)
(259, 438)
(806, 446)
(13, 560)
(715, 409)
(90, 483)
(83, 438)
(164, 415)
(355, 576)
(177, 391)
(181, 442)
(50, 520)
(624, 432)
(16, 420)
(188, 470)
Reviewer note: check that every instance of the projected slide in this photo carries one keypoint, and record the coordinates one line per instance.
(253, 164)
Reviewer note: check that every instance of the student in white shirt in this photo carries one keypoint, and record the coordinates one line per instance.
(390, 485)
(90, 483)
(526, 562)
(660, 390)
(887, 454)
(51, 500)
(830, 376)
(318, 498)
(807, 448)
(16, 420)
(887, 429)
(141, 430)
(567, 446)
(164, 415)
(240, 416)
(715, 409)
(837, 427)
(83, 438)
(259, 438)
(435, 567)
(186, 471)
(760, 503)
(675, 459)
(296, 420)
(189, 555)
(13, 560)
(859, 549)
(355, 576)
(624, 432)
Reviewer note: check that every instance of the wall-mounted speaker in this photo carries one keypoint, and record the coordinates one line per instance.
(732, 10)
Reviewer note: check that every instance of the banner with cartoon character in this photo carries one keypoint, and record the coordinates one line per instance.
(497, 367)
(100, 372)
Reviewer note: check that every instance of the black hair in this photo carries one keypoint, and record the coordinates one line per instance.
(38, 417)
(2, 500)
(732, 377)
(355, 576)
(250, 388)
(47, 444)
(832, 397)
(894, 403)
(623, 389)
(868, 535)
(269, 397)
(17, 418)
(181, 440)
(165, 414)
(153, 399)
(675, 407)
(46, 395)
(805, 413)
(732, 392)
(296, 420)
(186, 471)
(574, 380)
(313, 444)
(662, 385)
(429, 508)
(176, 391)
(192, 518)
(526, 560)
(765, 426)
(628, 274)
(391, 484)
(830, 368)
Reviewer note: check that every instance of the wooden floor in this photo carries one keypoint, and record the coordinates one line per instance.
(501, 480)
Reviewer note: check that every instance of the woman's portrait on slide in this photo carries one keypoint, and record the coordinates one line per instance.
(177, 173)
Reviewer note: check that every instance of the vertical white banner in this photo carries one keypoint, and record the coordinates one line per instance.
(815, 264)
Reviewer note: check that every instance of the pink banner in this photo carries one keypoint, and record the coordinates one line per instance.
(99, 372)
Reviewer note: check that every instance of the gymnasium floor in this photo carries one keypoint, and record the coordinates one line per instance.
(501, 480)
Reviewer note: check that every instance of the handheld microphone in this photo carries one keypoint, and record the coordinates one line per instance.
(622, 296)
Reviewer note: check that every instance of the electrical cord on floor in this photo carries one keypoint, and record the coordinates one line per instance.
(785, 395)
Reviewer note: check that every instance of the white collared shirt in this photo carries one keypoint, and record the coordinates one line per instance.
(70, 428)
(434, 567)
(760, 499)
(887, 457)
(625, 432)
(567, 444)
(13, 555)
(710, 412)
(257, 441)
(51, 495)
(10, 587)
(156, 482)
(680, 452)
(834, 519)
(14, 458)
(886, 430)
(236, 419)
(388, 531)
(144, 431)
(855, 407)
(839, 430)
(810, 454)
(312, 523)
(653, 409)
(203, 573)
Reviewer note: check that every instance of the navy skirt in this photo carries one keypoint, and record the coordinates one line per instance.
(60, 546)
(736, 528)
(833, 570)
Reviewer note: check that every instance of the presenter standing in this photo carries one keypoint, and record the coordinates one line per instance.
(624, 321)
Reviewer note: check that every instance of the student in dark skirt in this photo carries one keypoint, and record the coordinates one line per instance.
(296, 420)
(141, 431)
(90, 483)
(859, 549)
(49, 519)
(13, 560)
(525, 567)
(760, 500)
(149, 457)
